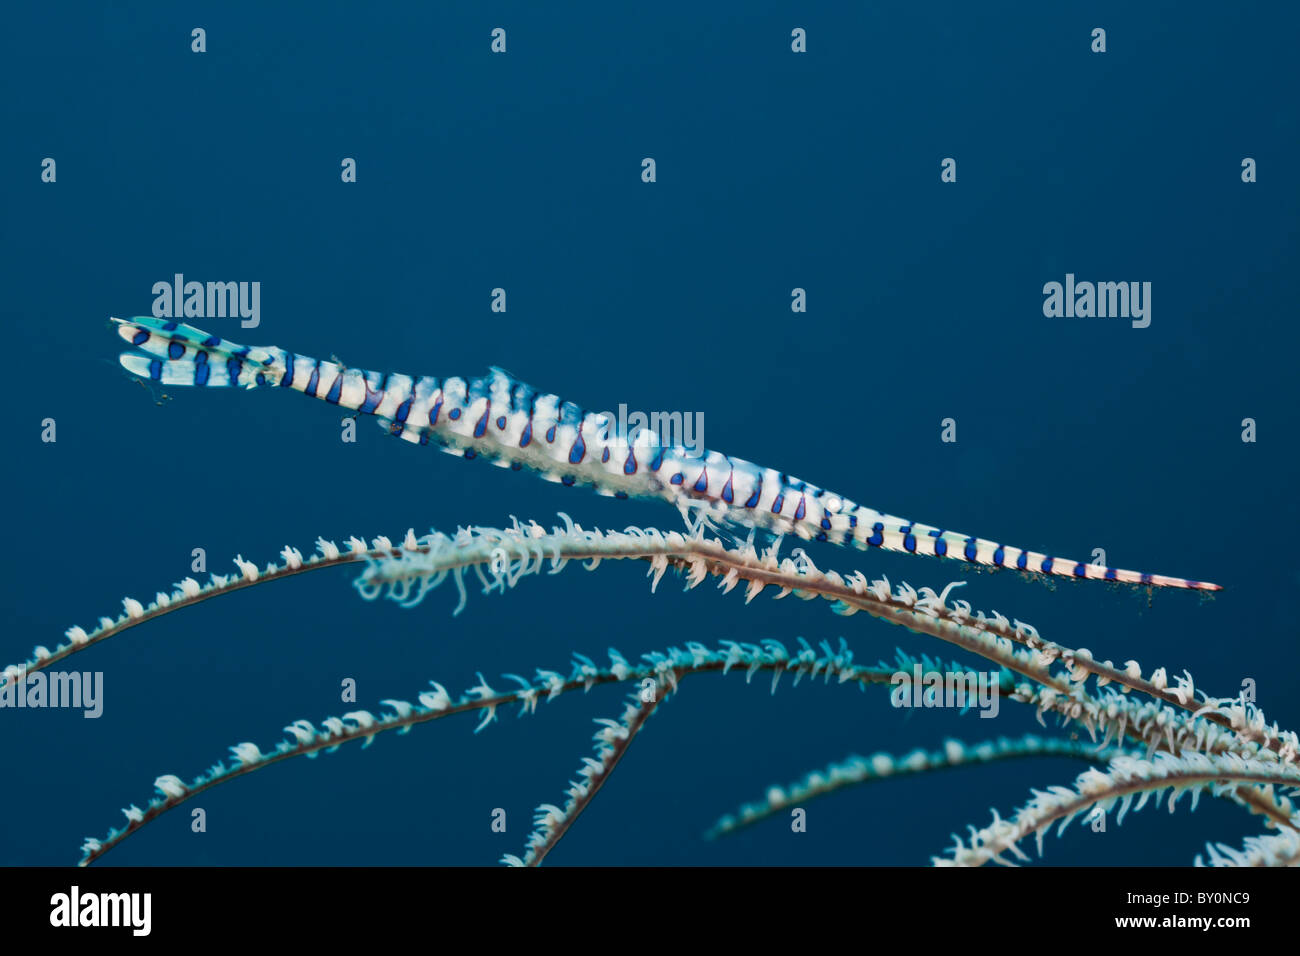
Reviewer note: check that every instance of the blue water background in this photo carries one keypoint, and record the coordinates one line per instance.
(522, 171)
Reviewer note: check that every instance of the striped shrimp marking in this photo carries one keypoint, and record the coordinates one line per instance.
(513, 425)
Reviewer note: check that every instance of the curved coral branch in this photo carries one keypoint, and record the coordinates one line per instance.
(499, 558)
(188, 592)
(507, 555)
(1055, 676)
(856, 770)
(664, 669)
(1126, 778)
(1276, 849)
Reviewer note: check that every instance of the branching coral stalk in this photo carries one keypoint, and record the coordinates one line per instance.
(665, 670)
(1161, 728)
(522, 550)
(500, 558)
(1173, 721)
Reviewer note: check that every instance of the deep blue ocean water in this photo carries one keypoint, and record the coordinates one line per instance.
(522, 171)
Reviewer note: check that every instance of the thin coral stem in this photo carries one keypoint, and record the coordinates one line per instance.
(1280, 810)
(189, 592)
(409, 578)
(665, 669)
(855, 770)
(499, 558)
(1128, 777)
(1276, 849)
(409, 572)
(551, 827)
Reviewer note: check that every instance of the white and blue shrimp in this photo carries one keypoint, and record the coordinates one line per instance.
(516, 426)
